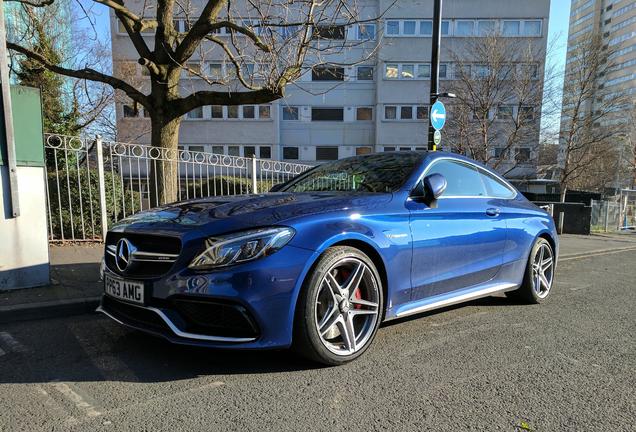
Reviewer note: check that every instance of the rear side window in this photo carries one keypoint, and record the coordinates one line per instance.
(495, 187)
(463, 180)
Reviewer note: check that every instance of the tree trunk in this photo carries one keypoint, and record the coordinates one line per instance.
(164, 176)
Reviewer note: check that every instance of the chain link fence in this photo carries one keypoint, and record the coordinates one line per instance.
(92, 183)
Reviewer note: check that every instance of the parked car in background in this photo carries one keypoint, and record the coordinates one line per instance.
(321, 262)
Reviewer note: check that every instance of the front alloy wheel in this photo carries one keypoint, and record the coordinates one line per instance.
(539, 274)
(340, 308)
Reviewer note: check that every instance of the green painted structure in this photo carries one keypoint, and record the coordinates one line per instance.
(27, 126)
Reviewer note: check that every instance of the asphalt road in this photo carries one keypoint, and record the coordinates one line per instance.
(567, 365)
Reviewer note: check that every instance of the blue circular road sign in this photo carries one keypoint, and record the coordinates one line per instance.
(438, 115)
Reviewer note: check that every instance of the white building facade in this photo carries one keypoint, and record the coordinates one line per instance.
(377, 102)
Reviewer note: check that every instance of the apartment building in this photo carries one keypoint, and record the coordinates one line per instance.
(377, 103)
(615, 20)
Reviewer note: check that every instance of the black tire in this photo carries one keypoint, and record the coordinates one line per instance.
(527, 292)
(307, 340)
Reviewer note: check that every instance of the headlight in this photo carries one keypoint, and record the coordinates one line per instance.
(240, 247)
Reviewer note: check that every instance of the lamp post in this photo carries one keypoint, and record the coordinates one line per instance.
(435, 45)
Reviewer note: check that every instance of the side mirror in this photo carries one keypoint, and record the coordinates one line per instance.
(430, 189)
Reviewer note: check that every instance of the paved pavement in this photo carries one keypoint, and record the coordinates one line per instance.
(566, 365)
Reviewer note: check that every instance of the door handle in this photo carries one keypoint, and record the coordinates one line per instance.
(493, 211)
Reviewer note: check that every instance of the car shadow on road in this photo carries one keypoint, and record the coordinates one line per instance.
(92, 348)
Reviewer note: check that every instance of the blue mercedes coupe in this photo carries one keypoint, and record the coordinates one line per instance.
(320, 261)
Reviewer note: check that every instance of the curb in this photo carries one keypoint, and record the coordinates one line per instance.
(48, 309)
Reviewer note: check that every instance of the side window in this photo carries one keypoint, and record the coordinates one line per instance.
(463, 180)
(495, 187)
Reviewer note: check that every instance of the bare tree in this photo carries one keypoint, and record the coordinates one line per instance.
(499, 85)
(593, 119)
(280, 36)
(69, 105)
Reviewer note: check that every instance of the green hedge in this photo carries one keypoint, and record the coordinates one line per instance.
(73, 191)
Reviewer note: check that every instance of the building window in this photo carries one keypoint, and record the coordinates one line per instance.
(196, 113)
(485, 27)
(327, 114)
(526, 113)
(391, 71)
(465, 28)
(531, 71)
(504, 112)
(249, 151)
(445, 28)
(290, 113)
(217, 111)
(405, 112)
(129, 111)
(233, 150)
(217, 149)
(364, 113)
(532, 28)
(390, 112)
(265, 152)
(365, 32)
(216, 71)
(501, 153)
(443, 71)
(264, 112)
(388, 149)
(233, 112)
(331, 32)
(364, 73)
(408, 71)
(290, 153)
(522, 155)
(408, 28)
(481, 71)
(392, 27)
(196, 148)
(511, 28)
(423, 71)
(326, 153)
(426, 28)
(249, 111)
(193, 69)
(327, 73)
(363, 151)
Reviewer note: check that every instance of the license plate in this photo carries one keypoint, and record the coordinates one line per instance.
(124, 289)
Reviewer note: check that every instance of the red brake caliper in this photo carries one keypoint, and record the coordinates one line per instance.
(358, 295)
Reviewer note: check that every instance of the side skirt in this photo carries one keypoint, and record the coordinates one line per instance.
(448, 299)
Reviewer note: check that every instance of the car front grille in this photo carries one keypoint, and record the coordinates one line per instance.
(205, 317)
(153, 256)
(134, 315)
(215, 317)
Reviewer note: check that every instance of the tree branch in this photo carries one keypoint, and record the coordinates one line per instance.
(86, 73)
(199, 30)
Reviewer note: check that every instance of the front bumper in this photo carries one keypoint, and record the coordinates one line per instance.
(248, 306)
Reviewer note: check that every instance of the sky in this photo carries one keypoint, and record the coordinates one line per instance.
(557, 43)
(557, 46)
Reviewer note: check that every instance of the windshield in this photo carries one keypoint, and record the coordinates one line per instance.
(381, 172)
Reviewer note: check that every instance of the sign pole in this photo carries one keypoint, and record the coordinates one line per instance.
(435, 46)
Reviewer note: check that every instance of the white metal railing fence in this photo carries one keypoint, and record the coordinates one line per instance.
(92, 183)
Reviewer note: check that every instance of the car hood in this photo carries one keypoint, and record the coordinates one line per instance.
(232, 213)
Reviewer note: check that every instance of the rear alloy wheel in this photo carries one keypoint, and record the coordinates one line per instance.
(539, 276)
(340, 308)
